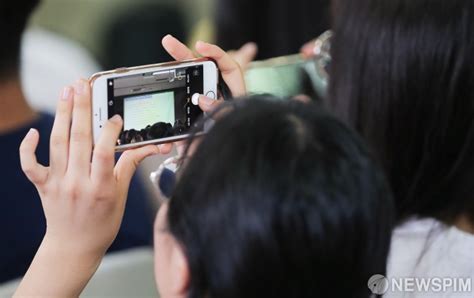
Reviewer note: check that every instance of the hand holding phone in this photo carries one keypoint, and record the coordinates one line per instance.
(149, 101)
(229, 68)
(231, 72)
(83, 193)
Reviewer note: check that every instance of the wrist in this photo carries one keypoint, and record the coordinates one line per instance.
(59, 269)
(72, 251)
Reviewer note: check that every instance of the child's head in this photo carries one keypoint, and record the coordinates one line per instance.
(278, 200)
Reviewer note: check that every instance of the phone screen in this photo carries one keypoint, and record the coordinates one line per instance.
(287, 76)
(157, 104)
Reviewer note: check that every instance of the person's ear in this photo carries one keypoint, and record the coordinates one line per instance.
(179, 270)
(171, 265)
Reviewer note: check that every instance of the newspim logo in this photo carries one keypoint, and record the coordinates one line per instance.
(379, 284)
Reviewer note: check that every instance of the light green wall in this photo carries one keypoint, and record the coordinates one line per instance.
(86, 20)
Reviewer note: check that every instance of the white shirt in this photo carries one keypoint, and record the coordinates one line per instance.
(426, 256)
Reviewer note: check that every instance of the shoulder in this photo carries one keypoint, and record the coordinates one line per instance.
(428, 247)
(408, 240)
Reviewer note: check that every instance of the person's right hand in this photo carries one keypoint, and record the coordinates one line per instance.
(245, 55)
(229, 68)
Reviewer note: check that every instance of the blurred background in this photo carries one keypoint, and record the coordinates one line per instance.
(97, 24)
(70, 39)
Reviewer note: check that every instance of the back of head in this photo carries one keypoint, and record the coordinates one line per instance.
(14, 15)
(403, 75)
(281, 200)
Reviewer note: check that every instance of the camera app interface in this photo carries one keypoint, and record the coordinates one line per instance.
(155, 105)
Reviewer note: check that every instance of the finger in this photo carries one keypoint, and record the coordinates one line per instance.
(308, 49)
(176, 49)
(245, 54)
(35, 172)
(59, 140)
(129, 161)
(302, 98)
(230, 69)
(165, 148)
(207, 104)
(81, 130)
(103, 157)
(190, 147)
(181, 147)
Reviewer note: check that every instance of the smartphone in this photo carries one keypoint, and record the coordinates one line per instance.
(158, 103)
(287, 76)
(292, 75)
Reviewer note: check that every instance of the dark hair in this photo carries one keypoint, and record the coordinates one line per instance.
(14, 15)
(279, 27)
(281, 200)
(403, 75)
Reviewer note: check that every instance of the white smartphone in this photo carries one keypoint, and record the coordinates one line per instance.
(158, 103)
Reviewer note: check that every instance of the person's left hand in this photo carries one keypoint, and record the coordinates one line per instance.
(83, 194)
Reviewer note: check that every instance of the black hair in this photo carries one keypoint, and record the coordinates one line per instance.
(279, 27)
(281, 200)
(402, 74)
(14, 15)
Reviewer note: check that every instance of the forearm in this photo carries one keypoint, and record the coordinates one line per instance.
(58, 271)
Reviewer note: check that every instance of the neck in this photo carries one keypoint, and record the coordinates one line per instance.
(465, 224)
(15, 112)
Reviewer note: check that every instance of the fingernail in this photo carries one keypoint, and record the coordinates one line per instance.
(206, 101)
(31, 132)
(66, 93)
(168, 36)
(250, 46)
(200, 43)
(80, 87)
(116, 119)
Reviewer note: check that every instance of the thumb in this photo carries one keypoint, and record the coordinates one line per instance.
(129, 161)
(35, 172)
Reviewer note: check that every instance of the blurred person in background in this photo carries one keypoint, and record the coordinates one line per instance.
(133, 38)
(402, 74)
(21, 220)
(276, 27)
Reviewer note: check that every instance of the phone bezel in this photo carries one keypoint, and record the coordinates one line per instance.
(98, 83)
